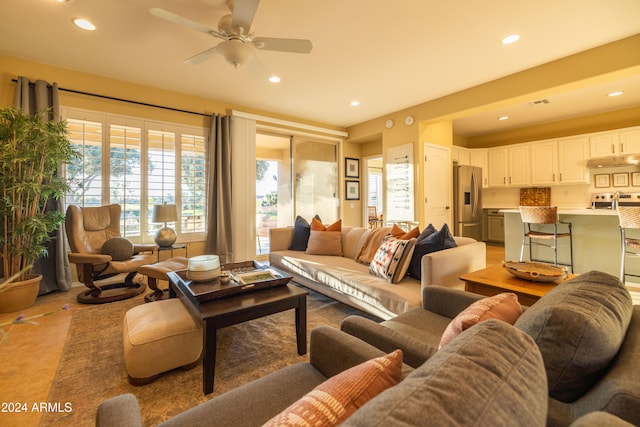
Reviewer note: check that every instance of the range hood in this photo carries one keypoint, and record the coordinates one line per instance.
(614, 161)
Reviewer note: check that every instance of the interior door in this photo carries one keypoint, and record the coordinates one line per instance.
(437, 185)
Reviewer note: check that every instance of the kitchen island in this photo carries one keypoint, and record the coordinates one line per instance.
(596, 241)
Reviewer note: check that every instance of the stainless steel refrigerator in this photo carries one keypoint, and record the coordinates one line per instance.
(467, 205)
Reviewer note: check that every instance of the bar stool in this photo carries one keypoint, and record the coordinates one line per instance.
(629, 219)
(544, 215)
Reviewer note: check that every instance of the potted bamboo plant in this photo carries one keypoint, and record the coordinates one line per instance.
(31, 150)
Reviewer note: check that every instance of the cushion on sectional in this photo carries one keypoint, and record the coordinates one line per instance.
(370, 246)
(490, 375)
(118, 248)
(427, 232)
(504, 306)
(325, 240)
(414, 233)
(392, 258)
(333, 401)
(579, 327)
(301, 230)
(437, 241)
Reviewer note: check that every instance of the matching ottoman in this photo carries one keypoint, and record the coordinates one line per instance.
(158, 271)
(159, 337)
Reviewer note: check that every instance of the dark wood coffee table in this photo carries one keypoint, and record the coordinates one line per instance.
(227, 311)
(495, 279)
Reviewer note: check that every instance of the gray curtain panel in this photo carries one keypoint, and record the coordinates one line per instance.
(55, 269)
(219, 189)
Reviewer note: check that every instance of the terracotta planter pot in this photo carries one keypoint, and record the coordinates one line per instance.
(21, 295)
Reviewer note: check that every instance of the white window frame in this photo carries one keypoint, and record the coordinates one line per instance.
(108, 119)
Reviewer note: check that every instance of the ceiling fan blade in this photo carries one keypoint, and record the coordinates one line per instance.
(177, 19)
(202, 56)
(283, 45)
(243, 13)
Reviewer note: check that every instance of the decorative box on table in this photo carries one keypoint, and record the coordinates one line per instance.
(243, 277)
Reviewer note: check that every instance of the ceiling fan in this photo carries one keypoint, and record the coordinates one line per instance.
(239, 43)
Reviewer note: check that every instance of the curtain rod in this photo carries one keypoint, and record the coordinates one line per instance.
(112, 98)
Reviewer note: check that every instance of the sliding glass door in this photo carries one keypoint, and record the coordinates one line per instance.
(315, 186)
(273, 187)
(281, 195)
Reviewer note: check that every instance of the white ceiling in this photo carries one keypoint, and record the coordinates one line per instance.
(389, 55)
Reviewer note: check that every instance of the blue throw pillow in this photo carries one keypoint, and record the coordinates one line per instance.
(426, 232)
(301, 232)
(435, 242)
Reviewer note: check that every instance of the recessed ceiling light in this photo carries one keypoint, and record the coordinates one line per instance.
(274, 79)
(355, 103)
(503, 118)
(511, 39)
(85, 24)
(616, 93)
(63, 1)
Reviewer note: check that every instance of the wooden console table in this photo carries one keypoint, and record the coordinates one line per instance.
(495, 279)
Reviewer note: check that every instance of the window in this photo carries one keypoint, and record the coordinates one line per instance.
(193, 181)
(116, 150)
(125, 177)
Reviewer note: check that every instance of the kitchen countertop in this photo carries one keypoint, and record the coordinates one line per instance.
(574, 211)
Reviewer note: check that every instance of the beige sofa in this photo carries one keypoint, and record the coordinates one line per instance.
(346, 280)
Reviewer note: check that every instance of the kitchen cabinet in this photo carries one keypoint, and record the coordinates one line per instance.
(615, 143)
(460, 155)
(494, 225)
(630, 141)
(544, 162)
(509, 166)
(572, 160)
(604, 144)
(560, 161)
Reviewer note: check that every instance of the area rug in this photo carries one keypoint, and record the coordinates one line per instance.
(92, 365)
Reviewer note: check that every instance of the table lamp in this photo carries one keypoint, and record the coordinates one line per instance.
(165, 237)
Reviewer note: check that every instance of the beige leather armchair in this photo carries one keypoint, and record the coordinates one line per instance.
(87, 230)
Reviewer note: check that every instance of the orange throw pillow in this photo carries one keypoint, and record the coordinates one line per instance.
(325, 240)
(411, 234)
(504, 306)
(336, 399)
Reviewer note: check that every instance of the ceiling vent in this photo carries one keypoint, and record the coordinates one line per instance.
(538, 102)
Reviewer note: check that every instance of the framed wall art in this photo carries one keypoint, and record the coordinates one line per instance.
(635, 179)
(352, 190)
(351, 167)
(602, 180)
(620, 179)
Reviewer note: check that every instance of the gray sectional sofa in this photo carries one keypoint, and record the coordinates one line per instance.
(346, 280)
(508, 386)
(587, 330)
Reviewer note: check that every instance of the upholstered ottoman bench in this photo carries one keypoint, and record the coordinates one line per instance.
(158, 271)
(159, 337)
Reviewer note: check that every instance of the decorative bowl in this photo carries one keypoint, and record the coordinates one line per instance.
(535, 271)
(203, 268)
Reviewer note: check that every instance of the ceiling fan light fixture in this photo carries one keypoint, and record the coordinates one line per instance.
(236, 52)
